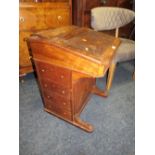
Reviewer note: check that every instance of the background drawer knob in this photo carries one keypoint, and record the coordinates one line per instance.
(43, 70)
(21, 19)
(59, 18)
(113, 47)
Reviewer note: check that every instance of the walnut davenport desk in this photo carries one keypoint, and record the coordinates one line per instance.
(67, 61)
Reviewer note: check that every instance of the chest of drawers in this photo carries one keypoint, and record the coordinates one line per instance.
(67, 62)
(34, 17)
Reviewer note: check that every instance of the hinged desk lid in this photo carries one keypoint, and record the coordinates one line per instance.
(81, 41)
(76, 48)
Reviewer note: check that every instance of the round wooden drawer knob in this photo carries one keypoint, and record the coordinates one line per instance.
(63, 92)
(43, 70)
(84, 39)
(62, 77)
(64, 103)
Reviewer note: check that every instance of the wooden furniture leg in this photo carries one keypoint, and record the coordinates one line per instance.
(109, 80)
(110, 77)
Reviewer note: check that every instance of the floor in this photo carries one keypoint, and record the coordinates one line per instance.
(112, 117)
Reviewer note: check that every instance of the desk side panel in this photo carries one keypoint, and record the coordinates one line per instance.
(81, 89)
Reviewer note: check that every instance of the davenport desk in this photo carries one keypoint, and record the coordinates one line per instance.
(67, 61)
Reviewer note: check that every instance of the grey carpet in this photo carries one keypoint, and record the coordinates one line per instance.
(113, 118)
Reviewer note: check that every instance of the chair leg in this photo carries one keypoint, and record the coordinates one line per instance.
(133, 75)
(110, 78)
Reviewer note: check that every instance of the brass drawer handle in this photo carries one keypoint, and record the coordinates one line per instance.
(21, 19)
(59, 18)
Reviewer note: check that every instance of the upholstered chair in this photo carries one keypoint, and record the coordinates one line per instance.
(108, 18)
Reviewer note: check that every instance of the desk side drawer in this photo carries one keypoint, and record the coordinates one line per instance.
(57, 100)
(55, 74)
(47, 85)
(57, 110)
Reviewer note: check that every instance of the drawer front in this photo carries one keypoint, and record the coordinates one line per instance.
(57, 100)
(57, 17)
(37, 18)
(56, 74)
(59, 111)
(47, 85)
(31, 19)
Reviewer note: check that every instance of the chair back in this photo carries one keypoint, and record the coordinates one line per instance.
(108, 18)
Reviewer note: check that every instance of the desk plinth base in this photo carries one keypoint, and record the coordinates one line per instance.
(78, 122)
(99, 92)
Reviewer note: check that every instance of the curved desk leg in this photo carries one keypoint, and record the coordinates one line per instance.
(82, 124)
(99, 92)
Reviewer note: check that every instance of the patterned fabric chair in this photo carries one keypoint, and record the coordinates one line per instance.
(108, 18)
